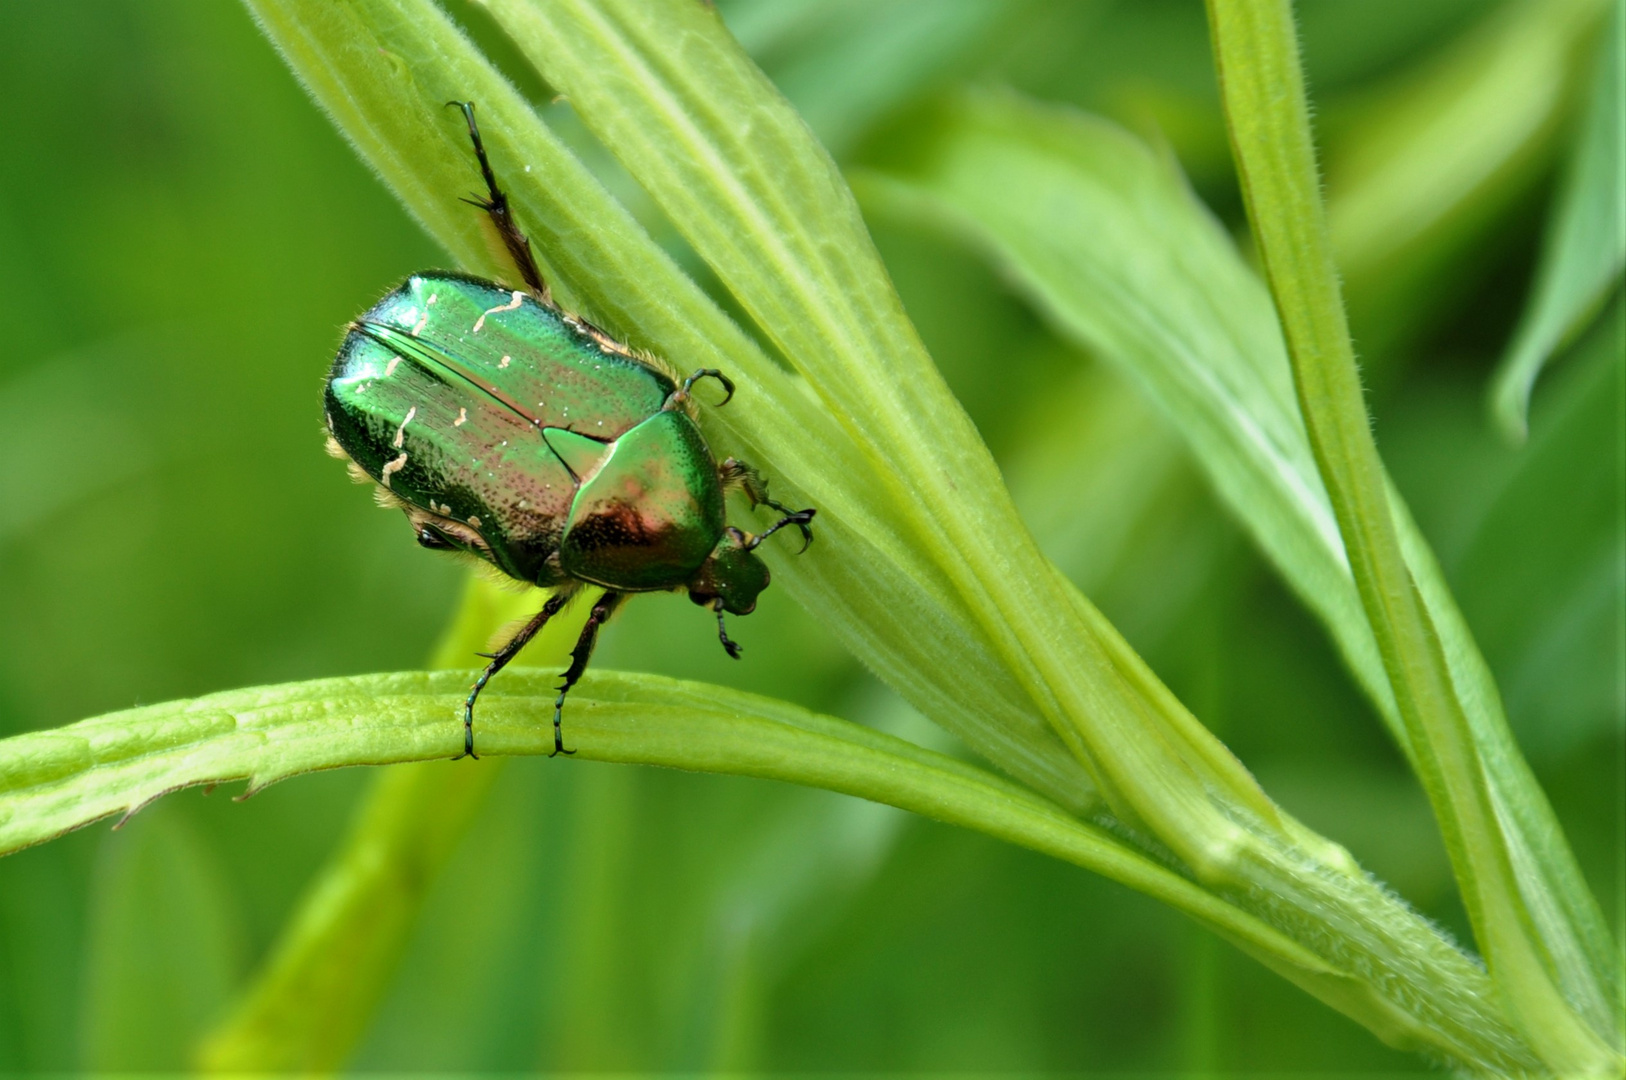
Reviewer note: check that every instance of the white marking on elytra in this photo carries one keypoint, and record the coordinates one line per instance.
(391, 467)
(519, 297)
(423, 322)
(462, 418)
(389, 368)
(401, 431)
(504, 362)
(432, 298)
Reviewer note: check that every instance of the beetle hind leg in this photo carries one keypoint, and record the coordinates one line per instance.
(495, 204)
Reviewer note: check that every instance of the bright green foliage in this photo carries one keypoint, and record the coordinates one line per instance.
(1428, 161)
(1586, 244)
(1193, 326)
(277, 732)
(575, 915)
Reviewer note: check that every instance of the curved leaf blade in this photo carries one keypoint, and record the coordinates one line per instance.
(269, 733)
(1586, 240)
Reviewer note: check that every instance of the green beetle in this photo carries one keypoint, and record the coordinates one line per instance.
(525, 436)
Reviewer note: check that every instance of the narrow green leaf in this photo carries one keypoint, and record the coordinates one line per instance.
(1105, 236)
(1108, 240)
(1424, 170)
(1585, 249)
(1268, 116)
(269, 733)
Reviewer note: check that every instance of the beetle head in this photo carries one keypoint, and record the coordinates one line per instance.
(731, 577)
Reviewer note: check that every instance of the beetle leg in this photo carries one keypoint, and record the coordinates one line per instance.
(755, 485)
(681, 394)
(729, 646)
(496, 205)
(579, 656)
(499, 660)
(712, 373)
(798, 518)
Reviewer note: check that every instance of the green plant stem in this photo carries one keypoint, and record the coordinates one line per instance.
(1107, 237)
(1267, 113)
(333, 960)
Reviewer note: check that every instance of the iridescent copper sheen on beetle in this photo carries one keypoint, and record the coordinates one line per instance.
(527, 437)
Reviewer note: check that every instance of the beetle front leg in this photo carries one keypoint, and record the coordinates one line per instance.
(678, 398)
(579, 656)
(736, 473)
(499, 660)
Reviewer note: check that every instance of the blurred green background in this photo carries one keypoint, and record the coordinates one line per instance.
(181, 237)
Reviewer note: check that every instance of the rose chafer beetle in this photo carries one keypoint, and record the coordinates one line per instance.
(511, 430)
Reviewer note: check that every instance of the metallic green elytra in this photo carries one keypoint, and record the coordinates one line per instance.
(525, 436)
